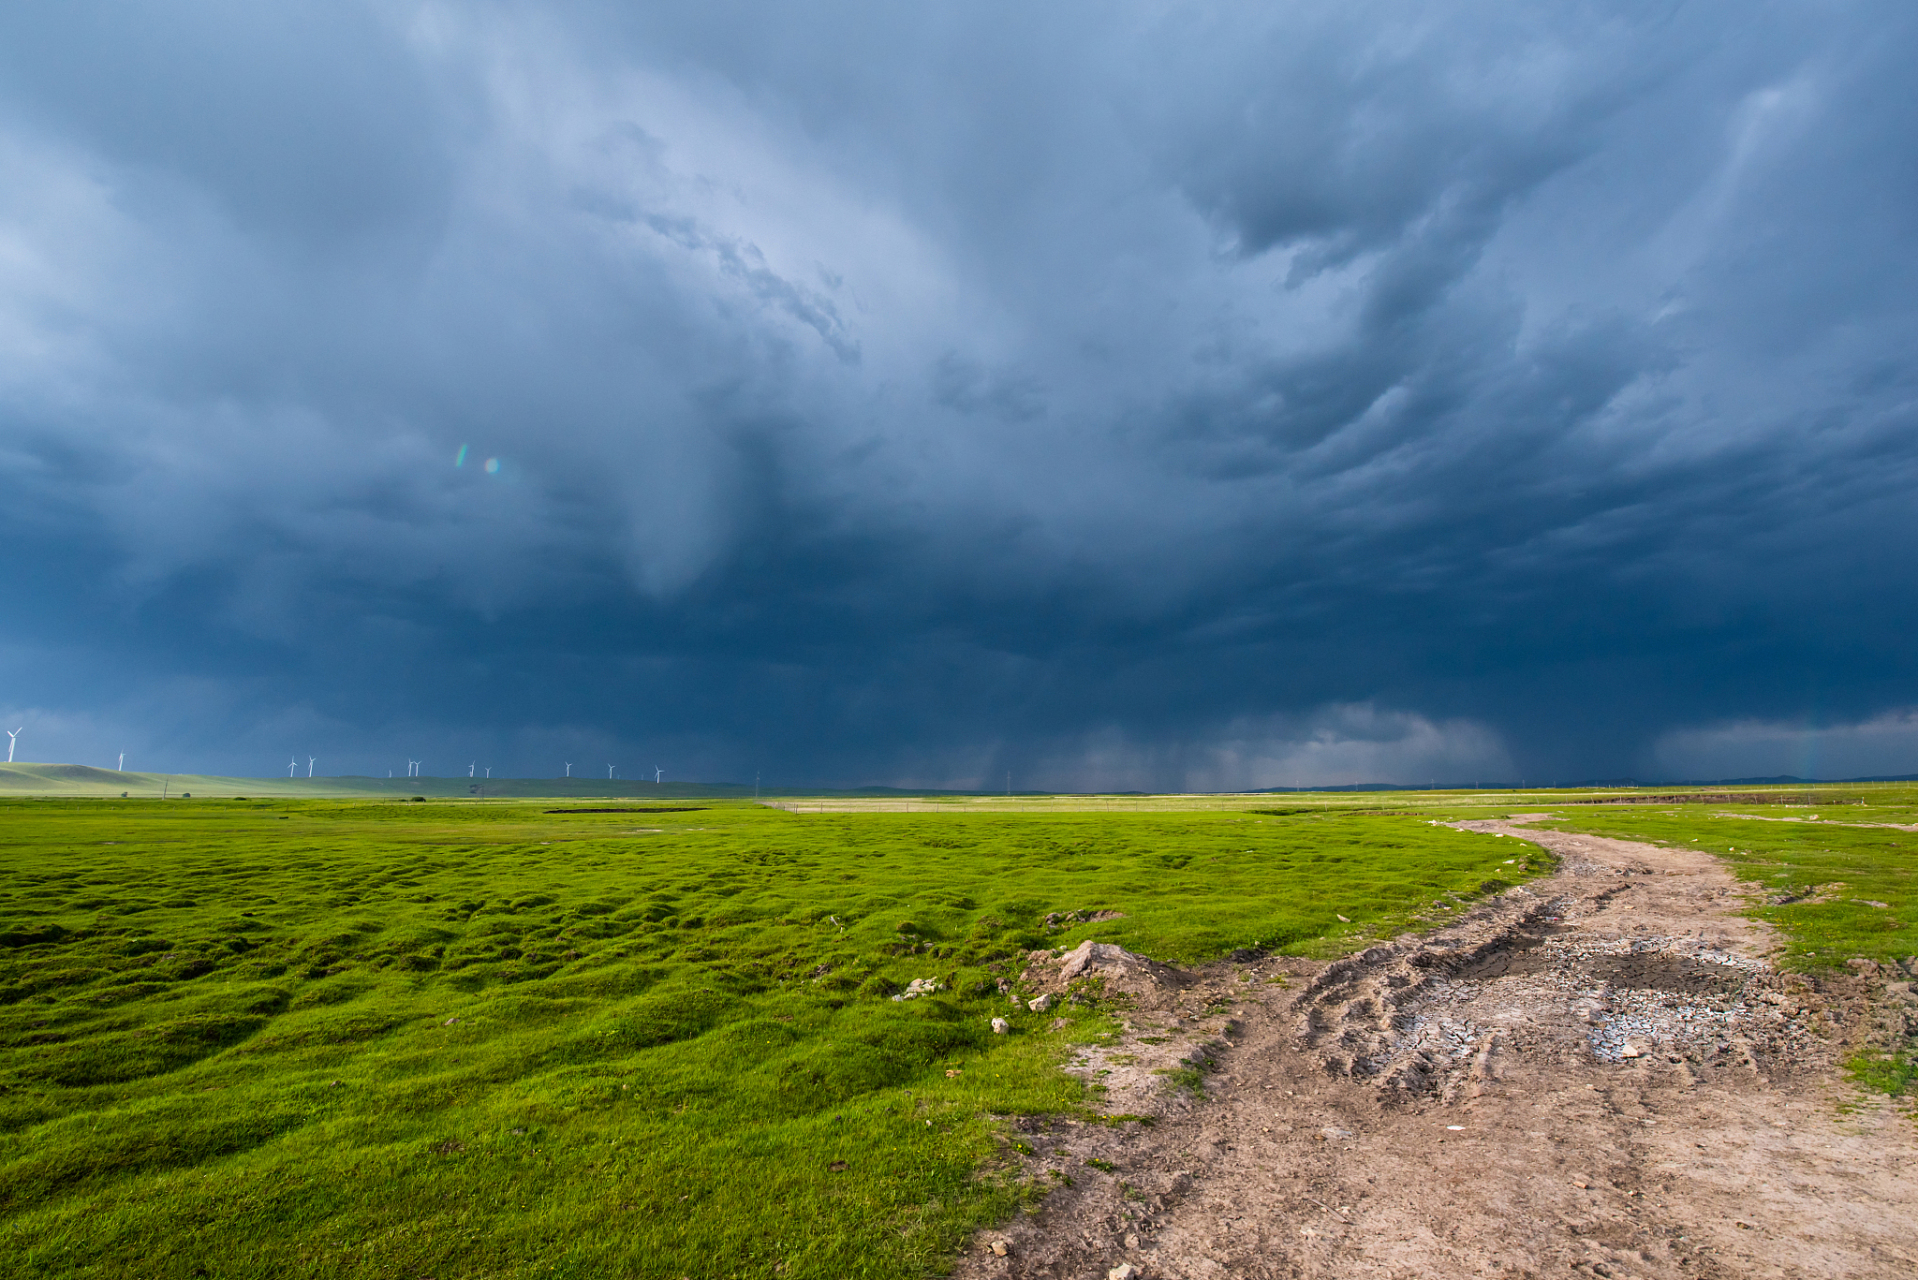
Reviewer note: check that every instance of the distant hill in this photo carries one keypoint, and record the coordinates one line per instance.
(1785, 780)
(83, 780)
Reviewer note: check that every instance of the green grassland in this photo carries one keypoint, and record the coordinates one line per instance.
(383, 1039)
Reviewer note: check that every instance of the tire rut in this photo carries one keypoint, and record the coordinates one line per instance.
(1597, 1074)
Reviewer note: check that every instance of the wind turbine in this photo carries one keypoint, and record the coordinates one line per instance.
(657, 774)
(309, 766)
(123, 762)
(291, 765)
(12, 736)
(609, 773)
(489, 770)
(569, 768)
(471, 767)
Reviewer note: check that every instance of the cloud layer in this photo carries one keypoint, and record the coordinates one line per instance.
(1137, 394)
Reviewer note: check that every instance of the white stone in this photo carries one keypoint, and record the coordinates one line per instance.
(919, 987)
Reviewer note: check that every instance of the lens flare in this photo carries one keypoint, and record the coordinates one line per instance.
(492, 465)
(461, 460)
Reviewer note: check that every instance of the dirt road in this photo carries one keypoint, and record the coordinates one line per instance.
(1598, 1075)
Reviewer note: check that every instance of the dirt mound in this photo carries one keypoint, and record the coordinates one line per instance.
(1099, 966)
(1600, 1074)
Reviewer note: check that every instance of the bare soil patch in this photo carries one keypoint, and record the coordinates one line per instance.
(1599, 1074)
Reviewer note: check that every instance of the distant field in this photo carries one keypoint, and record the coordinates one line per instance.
(333, 1038)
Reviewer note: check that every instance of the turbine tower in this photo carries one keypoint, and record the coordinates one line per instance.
(123, 762)
(471, 767)
(569, 768)
(309, 766)
(13, 736)
(658, 773)
(291, 765)
(609, 773)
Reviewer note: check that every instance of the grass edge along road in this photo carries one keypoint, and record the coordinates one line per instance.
(387, 1039)
(1834, 870)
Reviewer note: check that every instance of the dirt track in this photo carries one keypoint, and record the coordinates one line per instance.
(1598, 1075)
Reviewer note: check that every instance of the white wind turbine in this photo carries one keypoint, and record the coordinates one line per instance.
(471, 767)
(13, 735)
(291, 765)
(658, 773)
(609, 771)
(123, 762)
(569, 768)
(309, 766)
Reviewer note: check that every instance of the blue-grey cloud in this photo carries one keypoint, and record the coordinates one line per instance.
(1138, 394)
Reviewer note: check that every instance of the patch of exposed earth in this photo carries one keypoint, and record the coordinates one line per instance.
(1599, 1074)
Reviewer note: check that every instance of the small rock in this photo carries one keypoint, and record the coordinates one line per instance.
(1344, 919)
(1000, 1026)
(918, 987)
(1630, 1051)
(1132, 1242)
(452, 1021)
(1124, 1271)
(1039, 1004)
(1332, 1131)
(999, 1248)
(1059, 1023)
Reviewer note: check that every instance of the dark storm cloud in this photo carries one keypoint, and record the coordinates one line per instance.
(1206, 394)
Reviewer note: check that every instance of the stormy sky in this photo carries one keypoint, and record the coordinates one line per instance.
(1122, 395)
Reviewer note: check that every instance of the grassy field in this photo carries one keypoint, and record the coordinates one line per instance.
(378, 1039)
